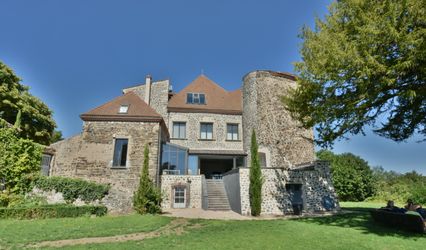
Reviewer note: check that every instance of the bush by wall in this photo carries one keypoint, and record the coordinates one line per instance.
(18, 157)
(352, 176)
(147, 199)
(51, 211)
(72, 189)
(256, 179)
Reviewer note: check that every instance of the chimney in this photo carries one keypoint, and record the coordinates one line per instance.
(148, 80)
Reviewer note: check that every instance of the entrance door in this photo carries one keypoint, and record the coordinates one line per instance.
(180, 197)
(295, 193)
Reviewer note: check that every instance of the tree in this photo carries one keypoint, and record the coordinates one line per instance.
(147, 198)
(363, 65)
(352, 176)
(56, 136)
(391, 185)
(36, 122)
(256, 180)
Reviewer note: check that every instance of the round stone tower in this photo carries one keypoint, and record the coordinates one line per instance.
(282, 141)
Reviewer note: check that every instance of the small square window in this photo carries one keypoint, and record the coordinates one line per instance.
(123, 109)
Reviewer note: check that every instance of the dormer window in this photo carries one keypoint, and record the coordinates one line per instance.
(123, 109)
(195, 98)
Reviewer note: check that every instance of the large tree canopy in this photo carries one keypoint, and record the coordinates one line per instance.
(364, 64)
(36, 122)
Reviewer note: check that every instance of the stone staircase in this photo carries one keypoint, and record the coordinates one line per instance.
(217, 197)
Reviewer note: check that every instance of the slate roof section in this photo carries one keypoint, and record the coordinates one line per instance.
(218, 100)
(137, 111)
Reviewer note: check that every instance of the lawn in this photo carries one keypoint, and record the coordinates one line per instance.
(19, 232)
(345, 231)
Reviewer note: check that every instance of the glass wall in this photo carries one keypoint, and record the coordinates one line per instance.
(193, 164)
(173, 159)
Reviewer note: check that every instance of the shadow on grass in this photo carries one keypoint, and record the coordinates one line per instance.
(358, 209)
(360, 219)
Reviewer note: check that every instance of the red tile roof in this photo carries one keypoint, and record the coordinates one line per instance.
(138, 110)
(218, 100)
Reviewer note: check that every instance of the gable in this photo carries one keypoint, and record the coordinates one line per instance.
(217, 99)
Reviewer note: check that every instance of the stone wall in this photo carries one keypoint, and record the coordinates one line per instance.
(193, 121)
(193, 186)
(231, 181)
(89, 156)
(278, 135)
(316, 183)
(159, 96)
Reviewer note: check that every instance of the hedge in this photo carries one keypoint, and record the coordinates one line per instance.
(51, 211)
(73, 188)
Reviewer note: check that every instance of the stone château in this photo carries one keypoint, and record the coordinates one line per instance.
(199, 147)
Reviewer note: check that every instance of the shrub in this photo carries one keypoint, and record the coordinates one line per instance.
(391, 185)
(147, 199)
(72, 188)
(256, 180)
(419, 195)
(7, 198)
(18, 157)
(352, 176)
(51, 211)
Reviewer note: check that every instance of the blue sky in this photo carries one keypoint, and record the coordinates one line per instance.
(76, 55)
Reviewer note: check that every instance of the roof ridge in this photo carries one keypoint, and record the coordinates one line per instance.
(109, 109)
(108, 102)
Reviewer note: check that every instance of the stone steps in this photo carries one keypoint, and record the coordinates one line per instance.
(217, 197)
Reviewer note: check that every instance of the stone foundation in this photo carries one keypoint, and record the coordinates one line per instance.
(193, 186)
(317, 187)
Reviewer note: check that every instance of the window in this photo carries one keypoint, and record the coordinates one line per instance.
(173, 159)
(232, 132)
(193, 164)
(262, 159)
(123, 109)
(120, 153)
(179, 201)
(45, 164)
(206, 130)
(195, 98)
(179, 130)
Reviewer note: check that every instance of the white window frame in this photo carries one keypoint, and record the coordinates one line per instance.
(123, 109)
(196, 98)
(179, 204)
(206, 135)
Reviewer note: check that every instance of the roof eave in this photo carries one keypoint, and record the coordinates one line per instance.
(200, 110)
(127, 118)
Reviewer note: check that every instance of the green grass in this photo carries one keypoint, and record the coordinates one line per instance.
(348, 231)
(344, 231)
(17, 232)
(361, 206)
